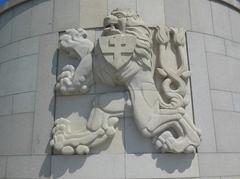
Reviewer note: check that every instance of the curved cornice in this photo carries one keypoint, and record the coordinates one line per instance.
(11, 3)
(234, 3)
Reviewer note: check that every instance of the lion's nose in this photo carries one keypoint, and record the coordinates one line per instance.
(110, 20)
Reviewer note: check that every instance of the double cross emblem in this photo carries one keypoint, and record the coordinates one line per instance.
(117, 49)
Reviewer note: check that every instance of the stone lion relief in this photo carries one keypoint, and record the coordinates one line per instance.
(150, 62)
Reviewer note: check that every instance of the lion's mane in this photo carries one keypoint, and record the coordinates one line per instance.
(142, 55)
(136, 27)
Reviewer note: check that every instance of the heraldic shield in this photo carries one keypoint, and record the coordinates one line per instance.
(117, 49)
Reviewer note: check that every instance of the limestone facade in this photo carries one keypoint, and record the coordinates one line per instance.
(30, 61)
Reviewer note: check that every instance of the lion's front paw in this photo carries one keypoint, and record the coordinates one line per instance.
(66, 85)
(75, 43)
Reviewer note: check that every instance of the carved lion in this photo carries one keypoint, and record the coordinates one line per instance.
(129, 54)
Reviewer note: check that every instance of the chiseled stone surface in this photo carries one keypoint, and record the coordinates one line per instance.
(161, 166)
(214, 44)
(28, 46)
(3, 166)
(223, 72)
(227, 126)
(92, 13)
(135, 143)
(202, 106)
(120, 58)
(201, 16)
(24, 102)
(66, 15)
(219, 164)
(113, 4)
(177, 14)
(9, 52)
(42, 16)
(16, 134)
(5, 27)
(45, 101)
(236, 102)
(232, 49)
(20, 82)
(109, 166)
(37, 166)
(152, 13)
(115, 145)
(221, 20)
(21, 21)
(231, 177)
(19, 75)
(235, 22)
(6, 105)
(222, 100)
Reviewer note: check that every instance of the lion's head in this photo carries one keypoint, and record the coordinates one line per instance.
(129, 22)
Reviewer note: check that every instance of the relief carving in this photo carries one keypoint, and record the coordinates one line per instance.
(150, 63)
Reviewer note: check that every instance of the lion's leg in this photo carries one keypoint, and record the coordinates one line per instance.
(76, 81)
(145, 101)
(161, 124)
(101, 125)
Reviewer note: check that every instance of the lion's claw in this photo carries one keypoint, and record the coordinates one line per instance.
(66, 85)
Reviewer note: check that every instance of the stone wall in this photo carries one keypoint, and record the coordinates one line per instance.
(30, 60)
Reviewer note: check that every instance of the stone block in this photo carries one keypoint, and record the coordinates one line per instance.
(5, 28)
(66, 14)
(199, 79)
(219, 164)
(29, 46)
(74, 107)
(161, 166)
(42, 17)
(19, 75)
(28, 166)
(152, 13)
(21, 21)
(24, 102)
(107, 166)
(16, 134)
(6, 105)
(214, 44)
(201, 16)
(222, 100)
(231, 177)
(113, 4)
(100, 89)
(45, 100)
(235, 23)
(223, 72)
(236, 102)
(177, 14)
(135, 142)
(3, 165)
(221, 20)
(9, 52)
(232, 49)
(90, 16)
(227, 131)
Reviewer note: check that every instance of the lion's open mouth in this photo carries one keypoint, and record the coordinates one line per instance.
(111, 29)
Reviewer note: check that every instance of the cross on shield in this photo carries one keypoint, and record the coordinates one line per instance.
(117, 49)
